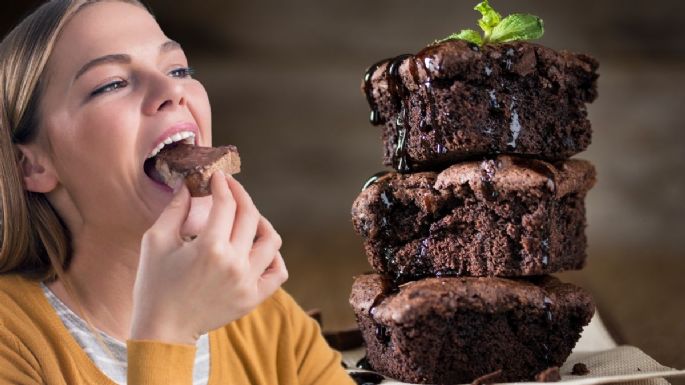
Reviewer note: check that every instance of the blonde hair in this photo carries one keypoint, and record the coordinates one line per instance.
(35, 241)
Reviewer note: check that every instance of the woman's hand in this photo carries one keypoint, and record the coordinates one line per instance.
(184, 289)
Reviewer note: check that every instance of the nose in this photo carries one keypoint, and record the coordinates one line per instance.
(164, 93)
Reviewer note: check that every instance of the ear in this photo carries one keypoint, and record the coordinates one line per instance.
(37, 170)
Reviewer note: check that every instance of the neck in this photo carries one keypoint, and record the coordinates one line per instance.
(102, 272)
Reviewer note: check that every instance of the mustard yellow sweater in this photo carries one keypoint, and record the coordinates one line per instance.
(277, 343)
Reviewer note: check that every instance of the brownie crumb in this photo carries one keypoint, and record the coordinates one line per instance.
(316, 314)
(344, 339)
(489, 378)
(580, 369)
(549, 375)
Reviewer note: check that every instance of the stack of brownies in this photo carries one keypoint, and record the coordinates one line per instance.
(483, 204)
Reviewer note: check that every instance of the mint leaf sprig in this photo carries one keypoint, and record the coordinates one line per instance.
(517, 26)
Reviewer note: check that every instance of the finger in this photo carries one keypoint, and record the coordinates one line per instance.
(166, 231)
(275, 264)
(273, 277)
(247, 217)
(222, 214)
(266, 228)
(264, 248)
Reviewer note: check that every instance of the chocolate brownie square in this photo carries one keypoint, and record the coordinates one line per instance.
(194, 165)
(456, 329)
(506, 216)
(455, 100)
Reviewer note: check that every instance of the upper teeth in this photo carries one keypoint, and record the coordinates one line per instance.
(187, 136)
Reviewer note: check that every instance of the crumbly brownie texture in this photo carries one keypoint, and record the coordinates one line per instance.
(195, 165)
(453, 330)
(506, 216)
(455, 100)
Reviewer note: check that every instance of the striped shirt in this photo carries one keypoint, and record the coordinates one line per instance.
(115, 367)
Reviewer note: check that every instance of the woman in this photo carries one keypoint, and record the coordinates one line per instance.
(180, 290)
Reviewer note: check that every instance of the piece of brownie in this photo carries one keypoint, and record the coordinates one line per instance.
(195, 165)
(456, 329)
(455, 100)
(507, 216)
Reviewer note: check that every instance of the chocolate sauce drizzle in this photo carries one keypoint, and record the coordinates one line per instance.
(447, 273)
(382, 331)
(395, 84)
(544, 246)
(364, 363)
(429, 107)
(547, 303)
(362, 378)
(383, 334)
(375, 117)
(374, 178)
(549, 319)
(399, 159)
(399, 92)
(400, 99)
(546, 353)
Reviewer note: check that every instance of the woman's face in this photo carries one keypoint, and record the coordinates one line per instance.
(117, 87)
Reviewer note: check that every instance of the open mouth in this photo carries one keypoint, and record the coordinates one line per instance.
(151, 170)
(149, 164)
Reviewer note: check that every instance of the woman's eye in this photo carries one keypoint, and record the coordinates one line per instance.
(183, 72)
(109, 87)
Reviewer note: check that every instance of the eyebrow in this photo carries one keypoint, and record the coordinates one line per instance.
(167, 46)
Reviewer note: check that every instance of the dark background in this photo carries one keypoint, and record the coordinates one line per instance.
(284, 81)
